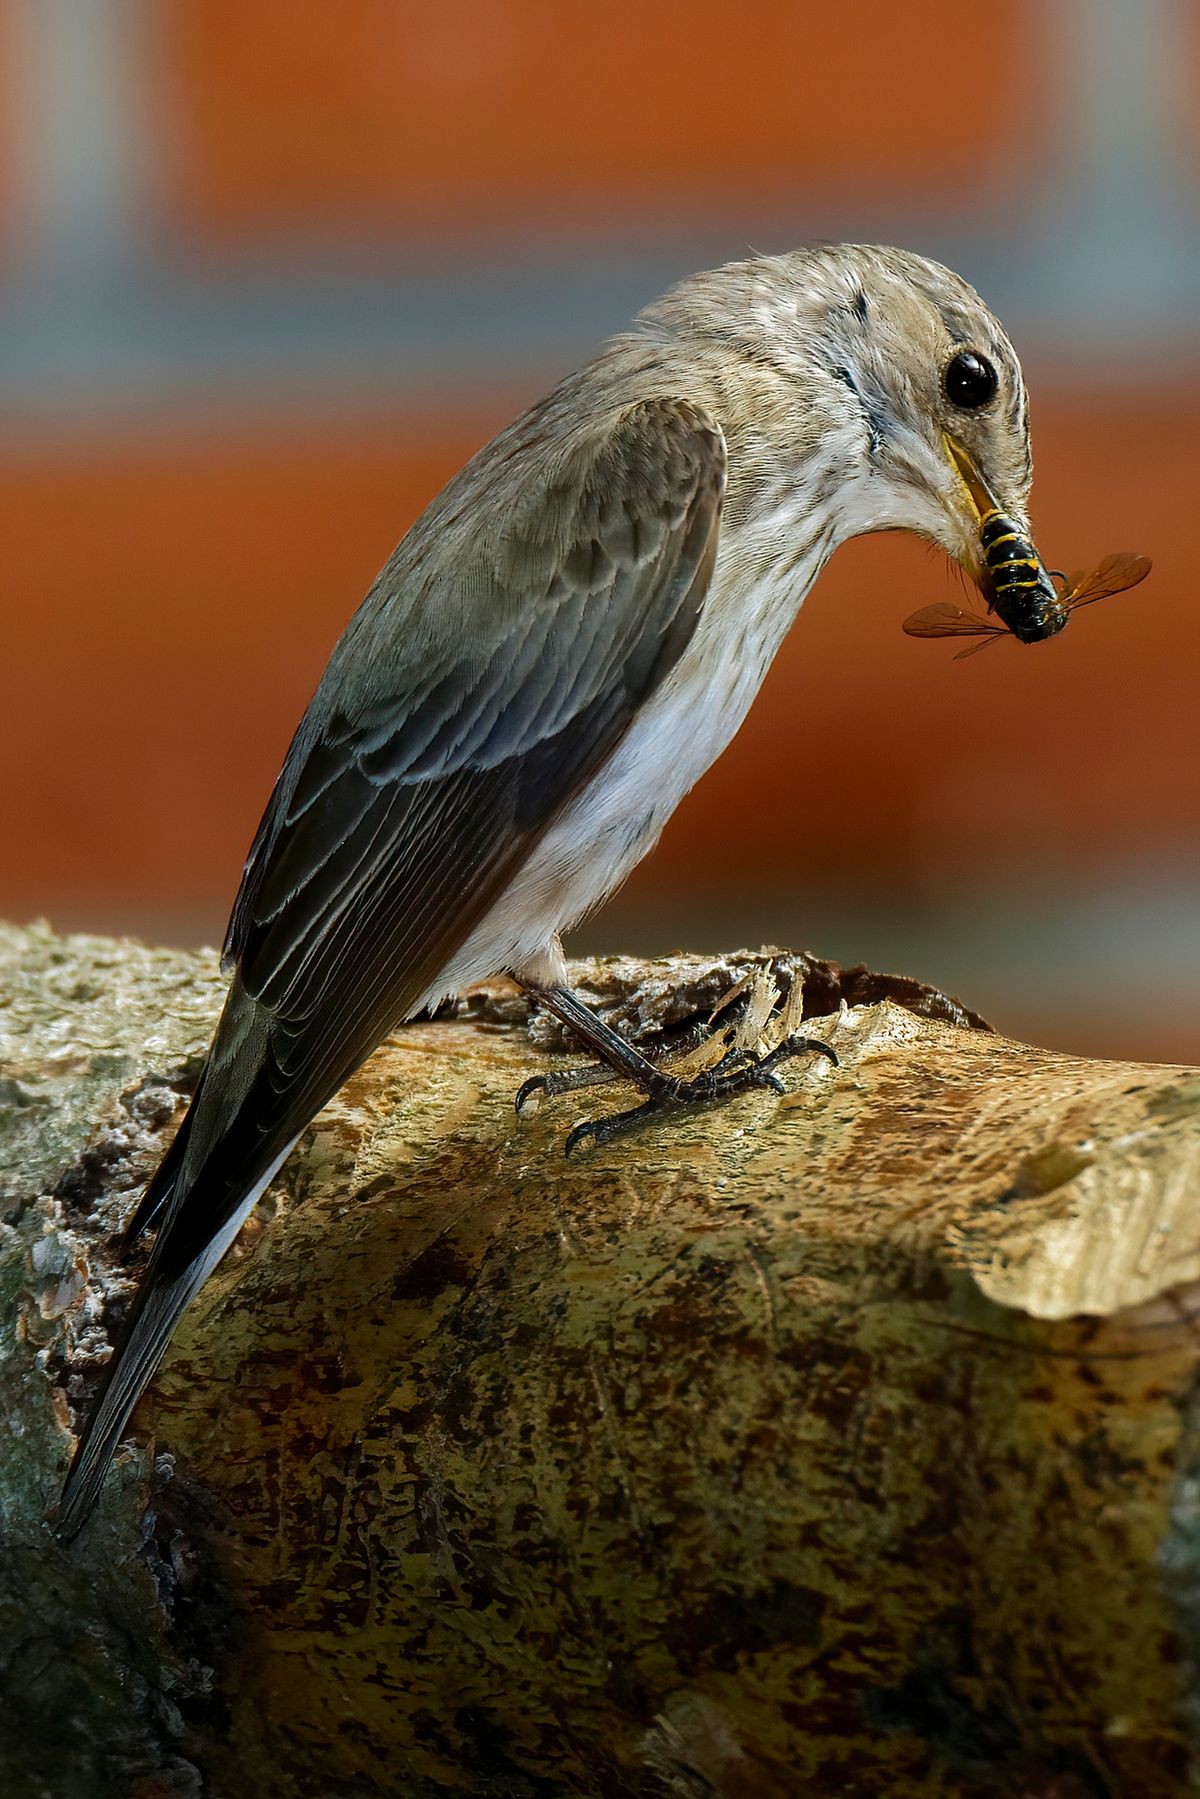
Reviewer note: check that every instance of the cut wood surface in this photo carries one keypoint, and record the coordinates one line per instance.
(843, 1443)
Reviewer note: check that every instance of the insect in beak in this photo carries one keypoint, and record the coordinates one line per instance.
(1011, 575)
(1115, 574)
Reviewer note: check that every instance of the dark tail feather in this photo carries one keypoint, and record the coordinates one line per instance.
(198, 1229)
(239, 1129)
(156, 1310)
(157, 1197)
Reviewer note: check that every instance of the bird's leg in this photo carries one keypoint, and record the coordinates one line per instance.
(662, 1047)
(736, 1070)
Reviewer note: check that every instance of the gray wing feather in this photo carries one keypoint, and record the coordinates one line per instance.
(431, 756)
(498, 660)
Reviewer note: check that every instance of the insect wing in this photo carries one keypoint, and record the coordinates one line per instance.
(1115, 574)
(973, 649)
(944, 620)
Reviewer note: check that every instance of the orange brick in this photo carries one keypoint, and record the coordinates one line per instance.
(473, 113)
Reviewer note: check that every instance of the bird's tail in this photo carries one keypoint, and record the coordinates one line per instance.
(157, 1308)
(154, 1201)
(158, 1305)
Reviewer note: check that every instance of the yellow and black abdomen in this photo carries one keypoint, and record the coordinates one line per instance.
(1020, 590)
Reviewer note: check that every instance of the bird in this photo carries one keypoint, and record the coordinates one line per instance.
(560, 646)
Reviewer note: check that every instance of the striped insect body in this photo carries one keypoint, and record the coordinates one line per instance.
(1115, 574)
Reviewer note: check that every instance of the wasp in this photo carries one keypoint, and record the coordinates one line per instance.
(1039, 617)
(1019, 588)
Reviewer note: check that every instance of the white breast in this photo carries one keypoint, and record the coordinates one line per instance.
(759, 583)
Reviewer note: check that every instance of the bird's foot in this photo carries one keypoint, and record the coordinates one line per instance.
(736, 1072)
(677, 1046)
(740, 1055)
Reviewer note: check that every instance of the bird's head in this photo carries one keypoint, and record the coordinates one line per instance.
(903, 398)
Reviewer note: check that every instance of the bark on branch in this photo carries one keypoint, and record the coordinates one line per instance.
(844, 1443)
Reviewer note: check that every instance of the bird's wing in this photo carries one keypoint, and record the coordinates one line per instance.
(473, 693)
(455, 720)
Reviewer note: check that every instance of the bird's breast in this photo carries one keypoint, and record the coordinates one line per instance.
(616, 817)
(680, 729)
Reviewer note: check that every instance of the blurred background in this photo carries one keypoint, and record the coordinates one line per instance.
(272, 270)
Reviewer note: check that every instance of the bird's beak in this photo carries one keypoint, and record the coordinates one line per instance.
(1001, 558)
(980, 497)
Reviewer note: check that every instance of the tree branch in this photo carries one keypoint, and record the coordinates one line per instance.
(839, 1443)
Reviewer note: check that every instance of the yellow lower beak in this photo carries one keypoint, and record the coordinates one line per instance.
(977, 490)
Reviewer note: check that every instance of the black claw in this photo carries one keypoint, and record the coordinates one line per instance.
(527, 1089)
(566, 1080)
(799, 1046)
(603, 1130)
(577, 1136)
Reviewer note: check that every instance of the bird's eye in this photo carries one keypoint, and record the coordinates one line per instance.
(970, 380)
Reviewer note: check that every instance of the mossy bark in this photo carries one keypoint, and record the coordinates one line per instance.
(840, 1444)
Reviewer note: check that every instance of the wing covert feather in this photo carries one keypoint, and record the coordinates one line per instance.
(483, 680)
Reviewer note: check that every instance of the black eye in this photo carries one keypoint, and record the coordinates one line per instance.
(970, 380)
